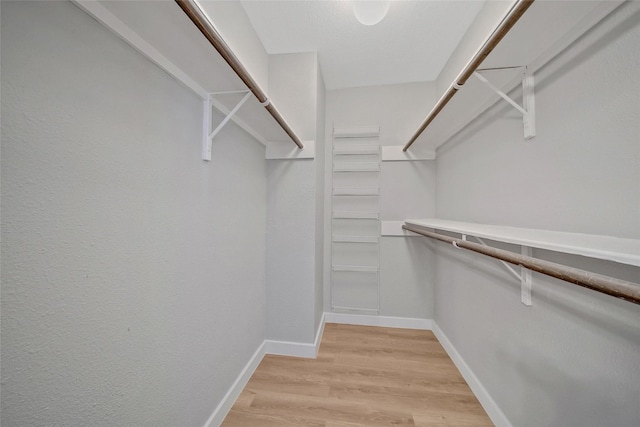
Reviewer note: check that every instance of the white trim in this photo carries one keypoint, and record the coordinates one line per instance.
(296, 349)
(236, 388)
(384, 321)
(289, 348)
(493, 410)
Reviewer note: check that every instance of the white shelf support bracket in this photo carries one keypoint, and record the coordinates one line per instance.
(526, 279)
(209, 134)
(506, 264)
(528, 110)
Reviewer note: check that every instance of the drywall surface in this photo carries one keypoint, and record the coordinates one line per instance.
(291, 246)
(320, 196)
(293, 79)
(132, 271)
(407, 189)
(397, 109)
(291, 206)
(232, 22)
(407, 266)
(485, 22)
(573, 358)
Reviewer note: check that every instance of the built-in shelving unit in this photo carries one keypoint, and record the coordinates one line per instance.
(621, 250)
(356, 239)
(624, 251)
(356, 215)
(357, 167)
(355, 221)
(356, 191)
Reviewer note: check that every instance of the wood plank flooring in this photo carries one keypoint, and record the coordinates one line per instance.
(363, 376)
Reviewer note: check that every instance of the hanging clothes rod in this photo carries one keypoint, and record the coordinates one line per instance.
(516, 12)
(206, 27)
(622, 289)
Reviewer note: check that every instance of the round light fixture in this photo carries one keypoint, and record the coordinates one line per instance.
(370, 12)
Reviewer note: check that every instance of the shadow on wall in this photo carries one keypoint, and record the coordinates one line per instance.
(546, 76)
(570, 356)
(585, 398)
(568, 59)
(585, 306)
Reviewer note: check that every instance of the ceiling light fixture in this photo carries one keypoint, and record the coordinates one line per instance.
(370, 12)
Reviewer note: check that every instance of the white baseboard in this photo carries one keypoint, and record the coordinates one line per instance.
(232, 394)
(307, 350)
(495, 413)
(384, 321)
(296, 349)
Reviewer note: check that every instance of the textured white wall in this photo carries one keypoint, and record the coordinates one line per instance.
(291, 206)
(132, 272)
(407, 188)
(573, 358)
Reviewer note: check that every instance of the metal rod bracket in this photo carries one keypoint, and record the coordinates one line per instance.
(528, 109)
(208, 134)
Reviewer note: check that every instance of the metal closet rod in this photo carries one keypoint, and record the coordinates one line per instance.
(498, 34)
(195, 13)
(622, 289)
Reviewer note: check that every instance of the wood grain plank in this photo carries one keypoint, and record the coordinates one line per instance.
(363, 376)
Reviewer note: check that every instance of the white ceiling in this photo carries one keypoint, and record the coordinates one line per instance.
(412, 43)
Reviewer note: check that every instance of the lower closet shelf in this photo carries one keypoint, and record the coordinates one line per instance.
(355, 215)
(355, 239)
(356, 268)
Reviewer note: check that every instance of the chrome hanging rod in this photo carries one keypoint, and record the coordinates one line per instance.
(206, 27)
(516, 12)
(622, 289)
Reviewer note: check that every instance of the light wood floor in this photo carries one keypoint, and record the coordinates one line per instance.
(363, 376)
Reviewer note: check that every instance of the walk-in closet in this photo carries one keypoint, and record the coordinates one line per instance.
(330, 213)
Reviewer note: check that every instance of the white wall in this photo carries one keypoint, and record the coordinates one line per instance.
(232, 22)
(132, 272)
(407, 188)
(320, 166)
(573, 358)
(291, 206)
(483, 25)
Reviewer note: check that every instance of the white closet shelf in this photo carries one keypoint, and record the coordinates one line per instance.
(357, 167)
(622, 250)
(356, 191)
(356, 149)
(144, 25)
(355, 239)
(355, 268)
(355, 215)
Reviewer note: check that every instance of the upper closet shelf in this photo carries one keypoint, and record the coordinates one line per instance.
(519, 54)
(162, 31)
(625, 251)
